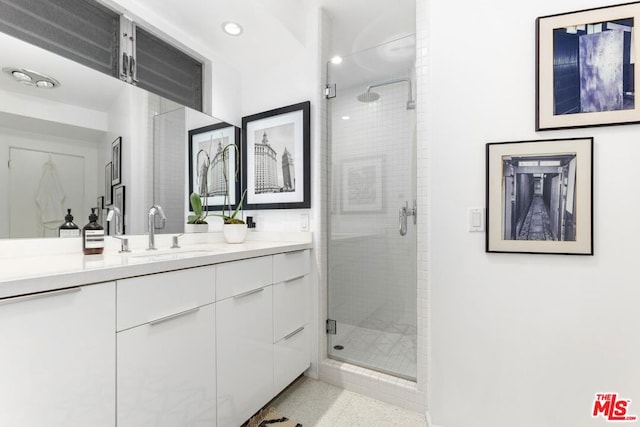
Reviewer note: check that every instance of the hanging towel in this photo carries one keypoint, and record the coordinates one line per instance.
(49, 197)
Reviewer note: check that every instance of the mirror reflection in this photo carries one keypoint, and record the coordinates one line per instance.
(56, 143)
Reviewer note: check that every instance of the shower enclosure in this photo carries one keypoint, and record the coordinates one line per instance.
(372, 220)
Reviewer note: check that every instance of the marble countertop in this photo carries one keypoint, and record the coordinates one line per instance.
(23, 273)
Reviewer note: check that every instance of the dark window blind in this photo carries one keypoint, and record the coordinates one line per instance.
(167, 71)
(81, 30)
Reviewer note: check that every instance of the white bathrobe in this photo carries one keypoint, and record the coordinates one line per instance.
(49, 199)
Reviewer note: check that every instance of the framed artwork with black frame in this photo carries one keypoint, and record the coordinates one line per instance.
(108, 187)
(585, 68)
(276, 158)
(116, 160)
(539, 196)
(210, 162)
(119, 202)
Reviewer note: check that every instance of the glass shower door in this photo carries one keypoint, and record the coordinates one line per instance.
(372, 231)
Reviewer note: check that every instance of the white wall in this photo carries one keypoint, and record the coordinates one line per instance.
(290, 82)
(519, 340)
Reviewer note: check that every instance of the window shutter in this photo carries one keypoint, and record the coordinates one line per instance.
(167, 71)
(80, 30)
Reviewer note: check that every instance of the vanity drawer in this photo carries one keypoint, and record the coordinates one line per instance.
(290, 265)
(147, 298)
(290, 306)
(237, 277)
(291, 357)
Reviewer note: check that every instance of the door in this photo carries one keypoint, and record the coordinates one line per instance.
(42, 187)
(372, 193)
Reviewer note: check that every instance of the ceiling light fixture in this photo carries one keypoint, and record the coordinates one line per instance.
(232, 28)
(31, 78)
(336, 60)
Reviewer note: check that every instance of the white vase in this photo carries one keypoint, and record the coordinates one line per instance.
(196, 228)
(234, 233)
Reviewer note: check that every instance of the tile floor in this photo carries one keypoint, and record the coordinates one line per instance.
(383, 349)
(315, 403)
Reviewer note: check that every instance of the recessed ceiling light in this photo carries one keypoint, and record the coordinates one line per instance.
(20, 76)
(31, 78)
(336, 60)
(232, 28)
(346, 117)
(46, 84)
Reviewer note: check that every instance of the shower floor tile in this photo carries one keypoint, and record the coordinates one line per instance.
(385, 351)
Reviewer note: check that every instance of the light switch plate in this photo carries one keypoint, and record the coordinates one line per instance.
(304, 222)
(476, 219)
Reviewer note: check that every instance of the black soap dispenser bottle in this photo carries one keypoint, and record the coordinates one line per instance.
(69, 228)
(92, 236)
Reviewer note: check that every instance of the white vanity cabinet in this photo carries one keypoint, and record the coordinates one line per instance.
(166, 351)
(244, 339)
(262, 318)
(57, 361)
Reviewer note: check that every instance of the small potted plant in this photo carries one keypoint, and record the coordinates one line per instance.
(234, 228)
(196, 223)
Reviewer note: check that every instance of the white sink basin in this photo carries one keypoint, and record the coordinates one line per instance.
(168, 255)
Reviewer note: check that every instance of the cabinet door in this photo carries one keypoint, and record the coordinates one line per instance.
(245, 355)
(291, 358)
(57, 364)
(166, 371)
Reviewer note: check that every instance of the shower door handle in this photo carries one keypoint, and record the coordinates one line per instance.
(402, 220)
(404, 213)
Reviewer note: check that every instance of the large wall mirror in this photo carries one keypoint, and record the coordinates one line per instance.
(55, 145)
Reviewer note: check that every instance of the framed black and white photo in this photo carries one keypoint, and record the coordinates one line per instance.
(362, 185)
(212, 157)
(539, 196)
(585, 68)
(119, 202)
(108, 187)
(276, 162)
(116, 160)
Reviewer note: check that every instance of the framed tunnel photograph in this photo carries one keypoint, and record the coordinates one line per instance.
(585, 68)
(539, 196)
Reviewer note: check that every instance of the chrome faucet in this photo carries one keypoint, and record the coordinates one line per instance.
(153, 211)
(115, 215)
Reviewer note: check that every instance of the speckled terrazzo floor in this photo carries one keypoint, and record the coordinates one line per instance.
(315, 403)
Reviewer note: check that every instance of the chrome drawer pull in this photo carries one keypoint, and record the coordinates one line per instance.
(173, 316)
(295, 278)
(300, 329)
(40, 295)
(251, 292)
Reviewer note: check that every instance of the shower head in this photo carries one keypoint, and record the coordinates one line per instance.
(368, 96)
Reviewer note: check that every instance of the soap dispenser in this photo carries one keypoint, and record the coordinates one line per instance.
(92, 236)
(69, 229)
